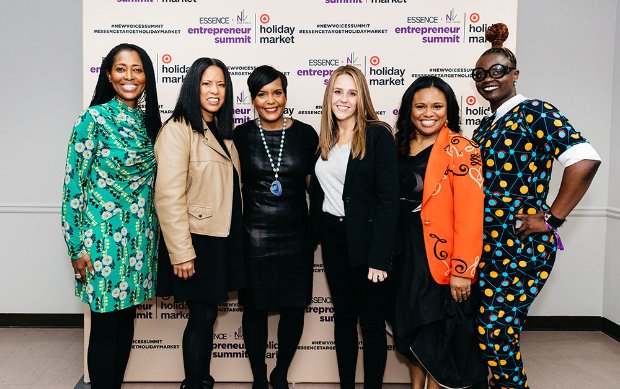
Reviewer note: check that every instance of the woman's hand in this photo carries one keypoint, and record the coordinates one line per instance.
(376, 275)
(531, 224)
(80, 266)
(184, 270)
(460, 287)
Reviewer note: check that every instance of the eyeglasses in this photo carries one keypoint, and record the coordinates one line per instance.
(495, 71)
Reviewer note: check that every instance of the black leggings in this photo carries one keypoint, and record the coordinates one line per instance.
(109, 346)
(198, 343)
(290, 327)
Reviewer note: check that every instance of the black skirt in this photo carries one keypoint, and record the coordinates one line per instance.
(219, 263)
(430, 328)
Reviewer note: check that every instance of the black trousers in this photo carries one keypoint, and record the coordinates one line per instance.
(355, 299)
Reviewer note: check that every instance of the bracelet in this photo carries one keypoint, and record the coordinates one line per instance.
(556, 235)
(552, 220)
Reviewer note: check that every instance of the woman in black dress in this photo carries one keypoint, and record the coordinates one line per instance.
(277, 156)
(198, 202)
(439, 240)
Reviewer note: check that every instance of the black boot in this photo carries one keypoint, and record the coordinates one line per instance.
(278, 380)
(260, 384)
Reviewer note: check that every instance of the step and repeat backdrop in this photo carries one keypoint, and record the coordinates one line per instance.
(391, 41)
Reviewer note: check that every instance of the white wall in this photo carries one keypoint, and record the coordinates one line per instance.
(611, 301)
(566, 56)
(41, 96)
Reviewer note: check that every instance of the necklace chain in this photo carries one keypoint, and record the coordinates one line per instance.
(275, 169)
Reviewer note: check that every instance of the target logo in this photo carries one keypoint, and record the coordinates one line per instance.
(470, 100)
(474, 17)
(264, 18)
(374, 60)
(166, 58)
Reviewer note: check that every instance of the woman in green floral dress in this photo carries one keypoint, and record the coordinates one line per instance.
(108, 217)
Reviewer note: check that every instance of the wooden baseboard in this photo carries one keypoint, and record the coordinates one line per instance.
(42, 320)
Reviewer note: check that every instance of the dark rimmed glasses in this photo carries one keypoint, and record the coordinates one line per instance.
(495, 71)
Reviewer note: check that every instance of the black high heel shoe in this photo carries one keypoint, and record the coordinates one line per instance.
(206, 384)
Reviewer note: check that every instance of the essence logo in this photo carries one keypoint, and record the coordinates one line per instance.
(451, 17)
(214, 20)
(264, 18)
(242, 18)
(166, 58)
(474, 17)
(470, 100)
(374, 60)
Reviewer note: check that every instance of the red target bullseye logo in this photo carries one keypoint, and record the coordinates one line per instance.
(264, 18)
(374, 60)
(470, 100)
(166, 58)
(474, 17)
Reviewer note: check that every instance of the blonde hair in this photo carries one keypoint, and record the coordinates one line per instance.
(364, 114)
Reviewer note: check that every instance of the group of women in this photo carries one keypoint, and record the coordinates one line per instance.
(447, 238)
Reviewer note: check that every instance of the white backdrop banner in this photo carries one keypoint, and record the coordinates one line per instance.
(391, 41)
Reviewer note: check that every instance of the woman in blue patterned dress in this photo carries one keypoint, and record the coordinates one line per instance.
(108, 218)
(518, 143)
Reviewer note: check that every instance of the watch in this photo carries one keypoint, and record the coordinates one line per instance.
(552, 220)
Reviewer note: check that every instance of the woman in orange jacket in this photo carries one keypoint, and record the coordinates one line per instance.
(439, 239)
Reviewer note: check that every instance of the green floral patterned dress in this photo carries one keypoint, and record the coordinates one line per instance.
(107, 206)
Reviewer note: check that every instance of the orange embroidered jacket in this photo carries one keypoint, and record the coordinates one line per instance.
(453, 207)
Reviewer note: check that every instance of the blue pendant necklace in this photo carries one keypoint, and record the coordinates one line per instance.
(276, 186)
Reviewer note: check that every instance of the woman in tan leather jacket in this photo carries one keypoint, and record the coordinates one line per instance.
(198, 202)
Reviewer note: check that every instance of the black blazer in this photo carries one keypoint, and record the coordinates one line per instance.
(370, 195)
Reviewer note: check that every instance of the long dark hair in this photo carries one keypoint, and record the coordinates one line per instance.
(188, 106)
(405, 129)
(104, 91)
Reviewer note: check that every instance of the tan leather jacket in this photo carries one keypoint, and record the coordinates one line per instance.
(194, 186)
